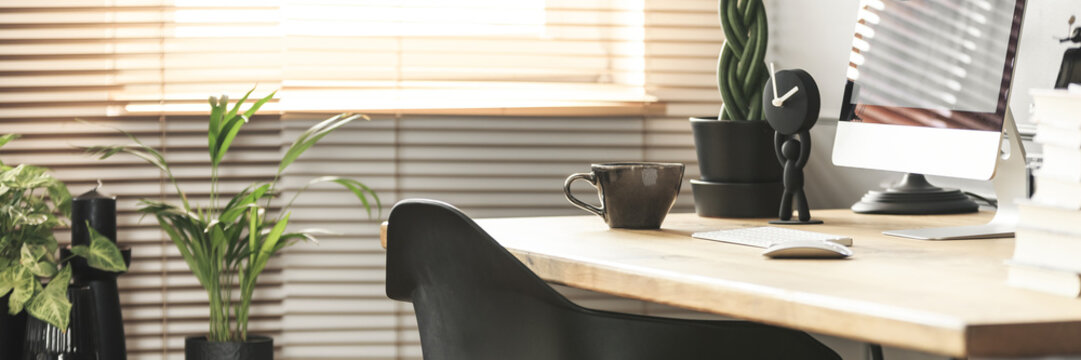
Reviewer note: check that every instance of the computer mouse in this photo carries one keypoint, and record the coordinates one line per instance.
(807, 249)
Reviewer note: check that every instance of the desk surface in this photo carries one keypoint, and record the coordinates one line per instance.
(946, 297)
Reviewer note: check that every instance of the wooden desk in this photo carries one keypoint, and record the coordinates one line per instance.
(947, 297)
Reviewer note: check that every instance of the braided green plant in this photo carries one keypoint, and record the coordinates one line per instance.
(741, 69)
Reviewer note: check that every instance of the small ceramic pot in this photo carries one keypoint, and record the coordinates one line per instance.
(741, 176)
(735, 151)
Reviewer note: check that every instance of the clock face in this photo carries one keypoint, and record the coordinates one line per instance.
(796, 105)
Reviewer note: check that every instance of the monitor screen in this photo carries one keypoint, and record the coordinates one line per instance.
(933, 63)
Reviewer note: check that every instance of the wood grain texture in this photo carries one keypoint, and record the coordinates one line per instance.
(947, 297)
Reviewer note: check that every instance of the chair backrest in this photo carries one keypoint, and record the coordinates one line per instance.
(474, 300)
(432, 243)
(472, 297)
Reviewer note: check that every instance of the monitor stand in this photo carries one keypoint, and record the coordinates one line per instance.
(915, 196)
(1010, 183)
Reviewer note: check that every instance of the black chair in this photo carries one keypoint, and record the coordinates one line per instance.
(476, 301)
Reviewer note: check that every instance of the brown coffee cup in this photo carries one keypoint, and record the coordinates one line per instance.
(633, 195)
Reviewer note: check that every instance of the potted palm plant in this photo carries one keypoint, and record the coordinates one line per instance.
(739, 169)
(32, 204)
(228, 242)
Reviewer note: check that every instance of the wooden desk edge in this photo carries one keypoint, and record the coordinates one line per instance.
(541, 265)
(970, 340)
(1015, 341)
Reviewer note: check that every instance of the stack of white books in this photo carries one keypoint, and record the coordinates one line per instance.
(1047, 254)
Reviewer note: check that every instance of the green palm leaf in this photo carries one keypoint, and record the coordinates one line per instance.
(142, 151)
(311, 136)
(6, 139)
(227, 248)
(361, 191)
(214, 128)
(225, 129)
(270, 244)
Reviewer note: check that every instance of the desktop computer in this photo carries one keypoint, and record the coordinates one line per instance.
(928, 92)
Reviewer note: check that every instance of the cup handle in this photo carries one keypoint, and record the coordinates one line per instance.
(579, 203)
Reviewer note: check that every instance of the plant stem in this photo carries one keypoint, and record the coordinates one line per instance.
(215, 313)
(227, 299)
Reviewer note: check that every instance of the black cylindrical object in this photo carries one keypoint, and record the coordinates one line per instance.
(109, 322)
(97, 208)
(736, 200)
(78, 342)
(740, 175)
(256, 348)
(12, 330)
(735, 151)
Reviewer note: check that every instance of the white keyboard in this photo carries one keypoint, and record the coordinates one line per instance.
(767, 236)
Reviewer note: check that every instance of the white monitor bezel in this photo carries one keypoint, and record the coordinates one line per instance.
(969, 154)
(959, 153)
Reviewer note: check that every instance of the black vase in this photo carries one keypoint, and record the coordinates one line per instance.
(741, 176)
(110, 321)
(78, 342)
(12, 330)
(256, 348)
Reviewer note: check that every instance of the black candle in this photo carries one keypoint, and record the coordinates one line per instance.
(99, 209)
(107, 326)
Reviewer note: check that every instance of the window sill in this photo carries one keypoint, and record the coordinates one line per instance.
(584, 109)
(481, 99)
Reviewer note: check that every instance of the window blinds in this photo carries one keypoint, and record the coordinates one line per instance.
(148, 66)
(103, 61)
(488, 166)
(941, 61)
(461, 54)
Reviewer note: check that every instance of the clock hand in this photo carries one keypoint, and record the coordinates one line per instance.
(773, 79)
(779, 102)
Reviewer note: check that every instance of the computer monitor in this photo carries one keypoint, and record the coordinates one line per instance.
(928, 90)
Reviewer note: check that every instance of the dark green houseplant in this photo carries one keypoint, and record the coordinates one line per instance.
(32, 204)
(228, 241)
(740, 176)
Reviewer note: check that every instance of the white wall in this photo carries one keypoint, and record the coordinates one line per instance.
(1041, 53)
(815, 36)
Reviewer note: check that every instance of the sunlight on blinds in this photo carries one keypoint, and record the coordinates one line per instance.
(958, 67)
(942, 60)
(339, 55)
(462, 54)
(415, 18)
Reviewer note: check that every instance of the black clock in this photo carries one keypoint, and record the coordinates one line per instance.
(793, 105)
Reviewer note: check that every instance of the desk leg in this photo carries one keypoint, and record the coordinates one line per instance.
(874, 352)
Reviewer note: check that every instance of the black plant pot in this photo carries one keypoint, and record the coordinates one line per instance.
(78, 342)
(12, 331)
(256, 348)
(741, 177)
